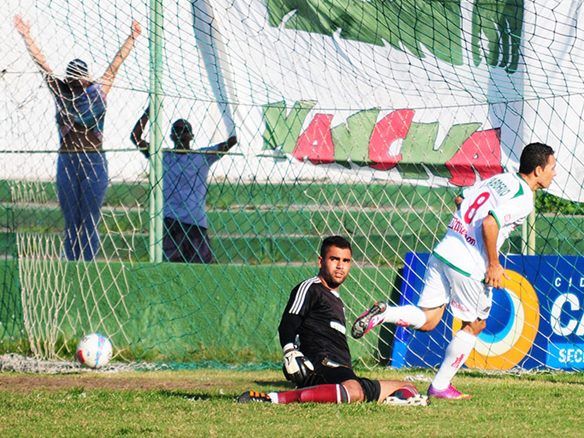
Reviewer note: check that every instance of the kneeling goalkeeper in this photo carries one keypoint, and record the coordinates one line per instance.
(316, 354)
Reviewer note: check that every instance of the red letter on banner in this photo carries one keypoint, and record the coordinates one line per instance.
(481, 152)
(392, 127)
(316, 143)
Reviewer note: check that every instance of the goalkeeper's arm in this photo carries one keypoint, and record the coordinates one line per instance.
(297, 368)
(289, 327)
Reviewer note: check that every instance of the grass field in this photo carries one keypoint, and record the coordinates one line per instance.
(201, 403)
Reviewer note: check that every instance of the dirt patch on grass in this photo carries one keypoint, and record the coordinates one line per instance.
(126, 382)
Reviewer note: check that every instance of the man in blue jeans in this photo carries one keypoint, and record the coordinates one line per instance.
(82, 173)
(185, 175)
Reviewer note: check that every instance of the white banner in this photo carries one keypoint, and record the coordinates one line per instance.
(326, 90)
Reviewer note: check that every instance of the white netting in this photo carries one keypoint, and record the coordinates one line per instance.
(361, 118)
(47, 297)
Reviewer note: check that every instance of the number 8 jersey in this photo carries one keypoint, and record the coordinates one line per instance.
(507, 197)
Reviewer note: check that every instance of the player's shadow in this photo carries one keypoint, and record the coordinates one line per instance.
(193, 396)
(274, 384)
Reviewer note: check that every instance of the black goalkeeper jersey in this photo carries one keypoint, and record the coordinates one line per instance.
(317, 315)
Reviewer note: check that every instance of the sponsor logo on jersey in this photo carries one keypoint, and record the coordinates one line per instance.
(458, 227)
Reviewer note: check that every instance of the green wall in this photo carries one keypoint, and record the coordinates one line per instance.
(181, 312)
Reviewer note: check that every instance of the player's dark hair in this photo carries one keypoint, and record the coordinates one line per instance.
(533, 155)
(180, 128)
(338, 241)
(76, 69)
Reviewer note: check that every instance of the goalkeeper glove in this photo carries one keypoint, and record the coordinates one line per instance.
(297, 368)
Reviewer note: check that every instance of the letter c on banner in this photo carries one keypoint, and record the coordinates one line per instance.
(506, 349)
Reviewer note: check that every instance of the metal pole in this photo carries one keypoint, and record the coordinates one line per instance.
(528, 235)
(155, 176)
(524, 236)
(531, 233)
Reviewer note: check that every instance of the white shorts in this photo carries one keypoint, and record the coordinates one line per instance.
(469, 298)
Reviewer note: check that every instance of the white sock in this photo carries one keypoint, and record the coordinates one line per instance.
(455, 356)
(409, 315)
(273, 397)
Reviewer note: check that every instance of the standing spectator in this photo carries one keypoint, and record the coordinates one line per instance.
(82, 174)
(185, 191)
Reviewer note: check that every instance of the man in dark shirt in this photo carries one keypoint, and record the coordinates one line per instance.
(316, 353)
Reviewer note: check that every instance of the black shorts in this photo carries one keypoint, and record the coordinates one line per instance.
(327, 371)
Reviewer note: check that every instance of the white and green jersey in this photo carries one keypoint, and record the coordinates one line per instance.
(507, 197)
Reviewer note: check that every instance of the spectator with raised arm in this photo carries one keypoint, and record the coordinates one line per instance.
(185, 173)
(82, 171)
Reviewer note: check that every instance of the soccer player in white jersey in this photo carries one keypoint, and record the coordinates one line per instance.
(464, 266)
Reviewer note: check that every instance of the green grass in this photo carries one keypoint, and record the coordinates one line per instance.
(201, 403)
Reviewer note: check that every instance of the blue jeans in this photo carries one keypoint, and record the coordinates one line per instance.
(82, 181)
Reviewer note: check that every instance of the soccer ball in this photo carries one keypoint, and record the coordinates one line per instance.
(94, 351)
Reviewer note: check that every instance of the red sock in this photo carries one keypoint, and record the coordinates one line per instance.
(329, 393)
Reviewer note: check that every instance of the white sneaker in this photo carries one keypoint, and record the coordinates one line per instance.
(415, 400)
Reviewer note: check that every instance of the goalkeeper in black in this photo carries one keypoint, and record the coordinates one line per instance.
(316, 354)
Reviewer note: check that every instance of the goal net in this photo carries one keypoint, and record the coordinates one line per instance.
(362, 118)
